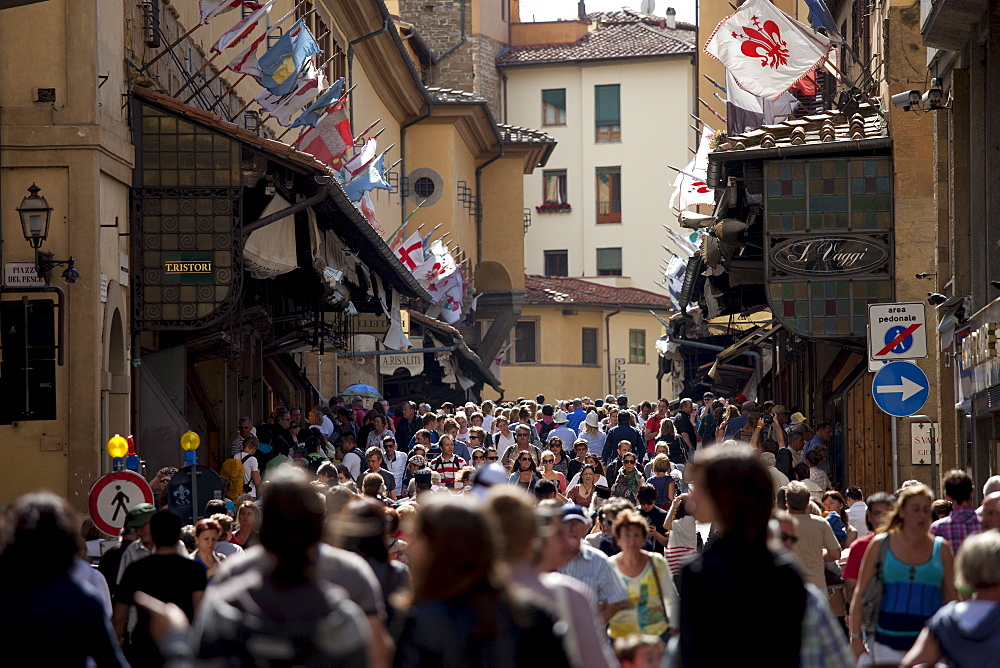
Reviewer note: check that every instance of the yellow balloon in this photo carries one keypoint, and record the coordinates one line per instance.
(117, 447)
(190, 441)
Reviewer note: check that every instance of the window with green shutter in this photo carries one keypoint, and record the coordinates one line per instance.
(609, 261)
(607, 113)
(637, 346)
(554, 106)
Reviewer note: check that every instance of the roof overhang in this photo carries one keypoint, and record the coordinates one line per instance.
(467, 359)
(686, 55)
(334, 210)
(803, 150)
(474, 123)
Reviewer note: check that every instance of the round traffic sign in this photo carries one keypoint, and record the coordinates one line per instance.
(900, 389)
(902, 346)
(113, 495)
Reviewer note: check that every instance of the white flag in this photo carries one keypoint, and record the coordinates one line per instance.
(765, 49)
(451, 302)
(210, 8)
(362, 158)
(411, 252)
(745, 112)
(438, 265)
(690, 187)
(242, 30)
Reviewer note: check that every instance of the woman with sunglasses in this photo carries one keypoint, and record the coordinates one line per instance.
(525, 473)
(549, 472)
(561, 462)
(629, 479)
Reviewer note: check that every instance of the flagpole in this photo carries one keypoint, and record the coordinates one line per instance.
(200, 70)
(715, 83)
(410, 214)
(204, 86)
(169, 48)
(228, 91)
(681, 171)
(714, 112)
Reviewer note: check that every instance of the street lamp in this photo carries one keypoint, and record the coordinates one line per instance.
(35, 214)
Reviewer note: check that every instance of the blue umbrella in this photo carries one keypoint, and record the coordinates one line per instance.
(362, 390)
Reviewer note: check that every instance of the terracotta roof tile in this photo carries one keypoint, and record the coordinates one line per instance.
(609, 42)
(515, 134)
(548, 290)
(626, 15)
(823, 128)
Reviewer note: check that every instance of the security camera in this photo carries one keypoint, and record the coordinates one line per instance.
(71, 275)
(904, 101)
(936, 298)
(932, 98)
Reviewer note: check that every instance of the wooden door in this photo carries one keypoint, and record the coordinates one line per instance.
(867, 440)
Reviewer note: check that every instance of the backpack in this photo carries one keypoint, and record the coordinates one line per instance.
(545, 428)
(232, 469)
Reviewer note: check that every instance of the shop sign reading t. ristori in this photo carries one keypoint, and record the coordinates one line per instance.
(829, 255)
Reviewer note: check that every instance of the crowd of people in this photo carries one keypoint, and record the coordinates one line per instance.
(570, 533)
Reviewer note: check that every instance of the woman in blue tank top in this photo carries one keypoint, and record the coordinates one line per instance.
(917, 579)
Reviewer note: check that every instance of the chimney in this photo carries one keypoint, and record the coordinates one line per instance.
(671, 18)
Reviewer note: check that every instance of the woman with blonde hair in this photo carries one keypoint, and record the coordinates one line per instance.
(916, 573)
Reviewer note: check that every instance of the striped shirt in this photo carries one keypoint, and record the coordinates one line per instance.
(594, 569)
(447, 468)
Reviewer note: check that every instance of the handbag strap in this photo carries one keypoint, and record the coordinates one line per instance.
(659, 589)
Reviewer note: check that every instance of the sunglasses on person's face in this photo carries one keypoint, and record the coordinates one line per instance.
(492, 459)
(522, 433)
(473, 438)
(475, 457)
(792, 540)
(524, 459)
(629, 461)
(548, 461)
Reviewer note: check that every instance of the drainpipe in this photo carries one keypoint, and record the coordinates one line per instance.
(479, 204)
(607, 344)
(350, 61)
(460, 42)
(402, 164)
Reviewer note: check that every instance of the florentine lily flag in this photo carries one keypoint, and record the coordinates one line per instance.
(210, 8)
(747, 112)
(322, 104)
(765, 49)
(282, 63)
(438, 265)
(242, 30)
(690, 187)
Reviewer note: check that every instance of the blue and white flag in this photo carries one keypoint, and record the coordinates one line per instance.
(372, 178)
(322, 104)
(282, 63)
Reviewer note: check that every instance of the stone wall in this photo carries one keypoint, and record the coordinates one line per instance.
(470, 67)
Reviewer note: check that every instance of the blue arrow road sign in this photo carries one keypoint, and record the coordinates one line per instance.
(900, 389)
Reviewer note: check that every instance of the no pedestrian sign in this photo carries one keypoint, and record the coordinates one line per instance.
(897, 332)
(113, 495)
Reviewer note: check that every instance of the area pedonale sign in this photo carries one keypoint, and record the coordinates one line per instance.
(829, 255)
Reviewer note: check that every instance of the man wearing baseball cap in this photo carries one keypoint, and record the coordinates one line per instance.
(590, 566)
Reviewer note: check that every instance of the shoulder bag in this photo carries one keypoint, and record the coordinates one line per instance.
(871, 600)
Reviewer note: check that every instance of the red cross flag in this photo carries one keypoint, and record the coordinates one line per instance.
(411, 252)
(766, 50)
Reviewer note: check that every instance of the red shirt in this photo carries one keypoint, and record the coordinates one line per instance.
(653, 424)
(858, 548)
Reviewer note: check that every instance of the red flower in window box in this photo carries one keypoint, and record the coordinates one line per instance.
(553, 207)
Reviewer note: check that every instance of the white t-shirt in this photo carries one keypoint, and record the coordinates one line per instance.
(249, 466)
(326, 426)
(488, 423)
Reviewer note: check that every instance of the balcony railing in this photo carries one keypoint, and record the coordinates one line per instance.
(609, 211)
